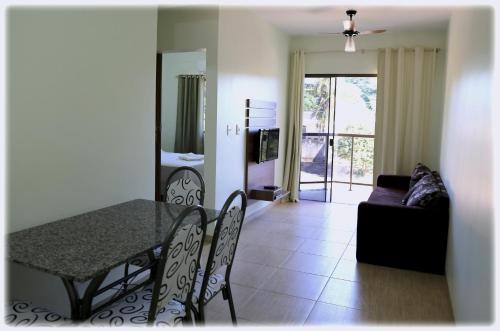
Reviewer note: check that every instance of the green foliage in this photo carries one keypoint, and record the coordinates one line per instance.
(317, 102)
(363, 152)
(368, 92)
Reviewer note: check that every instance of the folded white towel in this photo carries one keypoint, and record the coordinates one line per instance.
(191, 157)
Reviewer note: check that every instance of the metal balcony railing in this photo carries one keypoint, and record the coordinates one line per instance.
(328, 137)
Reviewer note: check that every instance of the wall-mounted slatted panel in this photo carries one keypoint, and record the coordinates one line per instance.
(261, 123)
(259, 114)
(252, 103)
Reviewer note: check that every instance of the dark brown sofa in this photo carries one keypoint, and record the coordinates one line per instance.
(400, 236)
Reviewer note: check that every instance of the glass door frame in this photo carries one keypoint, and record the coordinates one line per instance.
(330, 141)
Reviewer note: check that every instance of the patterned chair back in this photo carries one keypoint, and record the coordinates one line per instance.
(179, 260)
(226, 234)
(185, 186)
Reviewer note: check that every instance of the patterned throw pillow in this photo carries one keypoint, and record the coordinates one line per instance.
(427, 192)
(418, 173)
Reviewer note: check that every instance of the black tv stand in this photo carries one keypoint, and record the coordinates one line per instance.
(271, 187)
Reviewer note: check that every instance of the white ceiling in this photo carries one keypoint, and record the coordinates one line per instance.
(317, 20)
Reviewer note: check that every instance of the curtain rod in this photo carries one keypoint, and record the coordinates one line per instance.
(366, 50)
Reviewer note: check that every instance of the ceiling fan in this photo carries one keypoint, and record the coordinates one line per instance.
(350, 31)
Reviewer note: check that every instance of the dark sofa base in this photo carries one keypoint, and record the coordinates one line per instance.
(398, 236)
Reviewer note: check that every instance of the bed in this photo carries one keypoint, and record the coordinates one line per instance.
(171, 161)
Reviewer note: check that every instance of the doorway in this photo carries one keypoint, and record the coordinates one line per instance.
(180, 113)
(338, 134)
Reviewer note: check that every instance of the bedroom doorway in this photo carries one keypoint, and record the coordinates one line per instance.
(337, 138)
(180, 113)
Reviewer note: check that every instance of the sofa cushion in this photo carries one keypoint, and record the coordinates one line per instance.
(418, 173)
(389, 196)
(428, 192)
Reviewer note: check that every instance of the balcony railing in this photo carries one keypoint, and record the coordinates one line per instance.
(352, 151)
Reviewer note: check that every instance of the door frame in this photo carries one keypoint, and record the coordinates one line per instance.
(158, 127)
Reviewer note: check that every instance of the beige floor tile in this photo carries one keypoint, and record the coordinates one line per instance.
(333, 235)
(321, 247)
(350, 253)
(241, 295)
(306, 220)
(346, 293)
(309, 263)
(296, 283)
(327, 314)
(272, 308)
(250, 274)
(276, 240)
(276, 213)
(271, 256)
(288, 229)
(257, 225)
(246, 237)
(353, 240)
(360, 272)
(215, 318)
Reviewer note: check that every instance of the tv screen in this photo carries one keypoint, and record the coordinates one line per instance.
(268, 144)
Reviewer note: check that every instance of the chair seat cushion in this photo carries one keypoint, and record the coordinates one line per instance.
(133, 310)
(387, 196)
(25, 313)
(215, 283)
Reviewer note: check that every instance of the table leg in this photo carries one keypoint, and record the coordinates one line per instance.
(81, 308)
(73, 298)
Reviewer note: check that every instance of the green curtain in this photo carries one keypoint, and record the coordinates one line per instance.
(190, 106)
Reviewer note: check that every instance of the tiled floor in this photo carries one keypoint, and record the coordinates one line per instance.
(296, 264)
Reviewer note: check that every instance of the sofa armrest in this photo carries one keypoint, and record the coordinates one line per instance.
(394, 181)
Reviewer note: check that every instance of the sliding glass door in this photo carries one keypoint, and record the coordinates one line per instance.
(337, 136)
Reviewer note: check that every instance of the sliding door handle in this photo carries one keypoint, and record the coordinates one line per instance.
(331, 142)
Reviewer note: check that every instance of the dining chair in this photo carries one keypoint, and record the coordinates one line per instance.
(167, 300)
(185, 186)
(213, 279)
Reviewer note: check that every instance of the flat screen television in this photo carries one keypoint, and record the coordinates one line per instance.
(267, 145)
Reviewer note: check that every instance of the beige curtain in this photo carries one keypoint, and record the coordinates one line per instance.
(295, 102)
(190, 108)
(404, 93)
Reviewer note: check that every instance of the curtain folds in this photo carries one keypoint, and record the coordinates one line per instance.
(292, 157)
(404, 93)
(189, 125)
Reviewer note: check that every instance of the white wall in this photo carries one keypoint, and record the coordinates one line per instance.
(174, 64)
(81, 100)
(466, 165)
(190, 29)
(252, 64)
(366, 63)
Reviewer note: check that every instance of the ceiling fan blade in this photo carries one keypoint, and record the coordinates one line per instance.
(348, 25)
(372, 31)
(331, 33)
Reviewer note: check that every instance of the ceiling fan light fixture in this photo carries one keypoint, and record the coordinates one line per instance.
(350, 47)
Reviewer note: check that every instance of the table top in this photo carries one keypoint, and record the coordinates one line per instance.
(84, 246)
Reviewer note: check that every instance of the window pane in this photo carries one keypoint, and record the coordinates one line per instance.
(355, 105)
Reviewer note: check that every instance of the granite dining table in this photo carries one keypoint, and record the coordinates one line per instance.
(84, 248)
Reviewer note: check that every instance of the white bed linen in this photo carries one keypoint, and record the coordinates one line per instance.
(172, 160)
